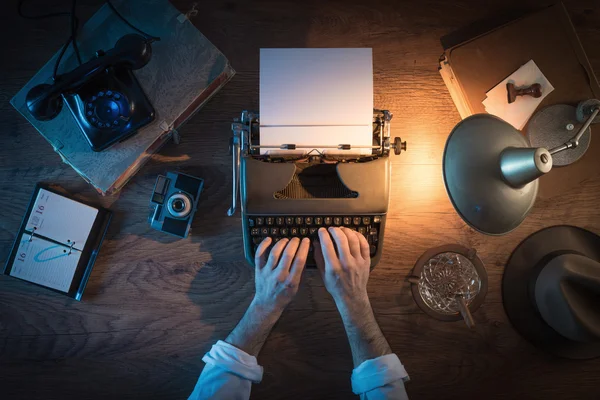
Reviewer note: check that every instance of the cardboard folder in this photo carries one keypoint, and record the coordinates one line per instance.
(473, 67)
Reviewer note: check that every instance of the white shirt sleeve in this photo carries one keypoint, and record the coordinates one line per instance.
(228, 374)
(381, 378)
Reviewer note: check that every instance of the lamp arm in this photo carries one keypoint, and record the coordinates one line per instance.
(574, 142)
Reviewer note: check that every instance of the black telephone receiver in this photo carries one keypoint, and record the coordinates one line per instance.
(103, 95)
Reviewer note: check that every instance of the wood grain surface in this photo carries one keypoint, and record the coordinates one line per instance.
(154, 305)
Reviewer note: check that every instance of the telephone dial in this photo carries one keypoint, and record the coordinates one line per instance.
(102, 94)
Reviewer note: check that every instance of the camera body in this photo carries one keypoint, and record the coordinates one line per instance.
(174, 202)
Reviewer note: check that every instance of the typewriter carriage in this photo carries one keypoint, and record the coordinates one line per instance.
(246, 143)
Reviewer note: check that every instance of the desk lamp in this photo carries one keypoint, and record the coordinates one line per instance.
(491, 173)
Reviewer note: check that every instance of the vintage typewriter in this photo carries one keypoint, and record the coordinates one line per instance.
(293, 196)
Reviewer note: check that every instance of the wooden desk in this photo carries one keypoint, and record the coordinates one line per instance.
(154, 305)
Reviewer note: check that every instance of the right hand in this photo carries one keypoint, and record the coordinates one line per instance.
(345, 274)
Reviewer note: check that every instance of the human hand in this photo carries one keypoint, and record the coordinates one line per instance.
(345, 275)
(278, 272)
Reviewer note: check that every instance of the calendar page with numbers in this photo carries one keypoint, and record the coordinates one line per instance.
(61, 219)
(45, 263)
(58, 242)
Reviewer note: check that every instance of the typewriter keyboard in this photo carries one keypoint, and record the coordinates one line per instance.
(279, 227)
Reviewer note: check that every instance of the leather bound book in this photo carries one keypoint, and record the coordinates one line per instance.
(184, 72)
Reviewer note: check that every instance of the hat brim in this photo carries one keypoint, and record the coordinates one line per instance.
(524, 263)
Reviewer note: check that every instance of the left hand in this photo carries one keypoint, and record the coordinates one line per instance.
(278, 273)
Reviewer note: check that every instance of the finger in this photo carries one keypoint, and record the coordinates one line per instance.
(276, 253)
(288, 255)
(260, 257)
(327, 249)
(353, 242)
(318, 254)
(364, 247)
(341, 242)
(299, 261)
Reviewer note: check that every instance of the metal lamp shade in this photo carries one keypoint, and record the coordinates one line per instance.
(477, 170)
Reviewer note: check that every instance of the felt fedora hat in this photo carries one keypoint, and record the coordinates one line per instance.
(551, 291)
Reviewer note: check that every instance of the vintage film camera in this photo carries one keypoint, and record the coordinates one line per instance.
(174, 202)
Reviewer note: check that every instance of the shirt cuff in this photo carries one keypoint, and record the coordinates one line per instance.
(377, 372)
(235, 361)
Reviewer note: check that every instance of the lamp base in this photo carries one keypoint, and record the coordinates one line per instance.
(554, 126)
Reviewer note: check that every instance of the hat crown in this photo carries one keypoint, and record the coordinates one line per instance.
(567, 295)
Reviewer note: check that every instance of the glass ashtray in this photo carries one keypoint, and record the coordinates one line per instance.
(449, 282)
(446, 276)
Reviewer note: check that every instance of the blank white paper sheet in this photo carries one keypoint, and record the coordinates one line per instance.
(518, 113)
(316, 97)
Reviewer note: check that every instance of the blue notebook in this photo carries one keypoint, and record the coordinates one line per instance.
(184, 72)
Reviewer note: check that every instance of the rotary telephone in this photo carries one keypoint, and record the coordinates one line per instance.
(102, 94)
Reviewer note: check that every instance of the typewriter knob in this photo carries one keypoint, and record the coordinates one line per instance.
(399, 145)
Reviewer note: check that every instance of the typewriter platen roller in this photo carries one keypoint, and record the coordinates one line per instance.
(294, 195)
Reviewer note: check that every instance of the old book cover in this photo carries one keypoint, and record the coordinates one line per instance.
(548, 37)
(184, 72)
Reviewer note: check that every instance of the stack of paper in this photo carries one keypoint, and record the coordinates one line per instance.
(518, 113)
(316, 98)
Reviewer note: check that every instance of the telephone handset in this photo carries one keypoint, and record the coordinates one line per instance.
(103, 95)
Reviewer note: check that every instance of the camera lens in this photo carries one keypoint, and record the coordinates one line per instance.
(179, 205)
